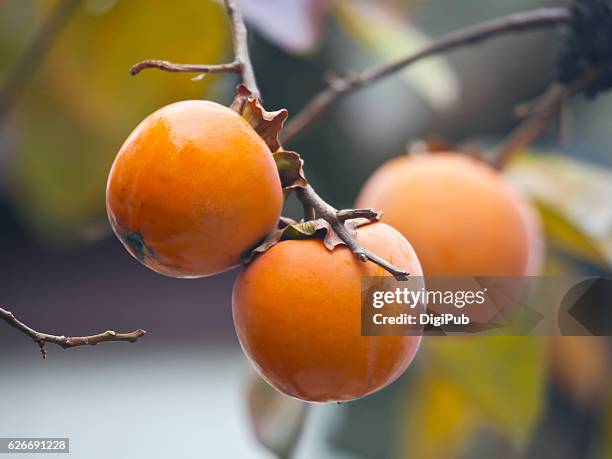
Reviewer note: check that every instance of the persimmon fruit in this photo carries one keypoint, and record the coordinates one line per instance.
(297, 312)
(461, 216)
(192, 189)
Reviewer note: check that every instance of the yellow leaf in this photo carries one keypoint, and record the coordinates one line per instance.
(503, 377)
(440, 419)
(88, 67)
(574, 201)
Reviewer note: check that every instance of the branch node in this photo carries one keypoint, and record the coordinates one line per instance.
(337, 220)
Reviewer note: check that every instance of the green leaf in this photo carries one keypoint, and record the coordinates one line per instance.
(502, 377)
(573, 199)
(59, 171)
(567, 237)
(384, 31)
(277, 420)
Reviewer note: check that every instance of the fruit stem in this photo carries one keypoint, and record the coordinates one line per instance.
(241, 63)
(337, 218)
(517, 22)
(67, 342)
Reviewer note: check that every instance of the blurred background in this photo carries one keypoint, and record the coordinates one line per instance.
(186, 390)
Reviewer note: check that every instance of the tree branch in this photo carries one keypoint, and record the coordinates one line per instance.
(34, 55)
(539, 114)
(241, 63)
(67, 342)
(337, 218)
(241, 47)
(540, 18)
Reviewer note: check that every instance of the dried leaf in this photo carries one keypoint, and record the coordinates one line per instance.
(314, 229)
(290, 168)
(267, 124)
(291, 231)
(242, 94)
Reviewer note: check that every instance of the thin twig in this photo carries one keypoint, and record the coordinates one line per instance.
(539, 114)
(241, 63)
(232, 67)
(336, 218)
(34, 55)
(544, 17)
(67, 341)
(348, 214)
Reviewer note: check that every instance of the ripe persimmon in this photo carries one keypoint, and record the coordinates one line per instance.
(462, 217)
(192, 189)
(297, 312)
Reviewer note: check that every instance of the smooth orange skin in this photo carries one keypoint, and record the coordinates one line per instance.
(297, 314)
(192, 189)
(460, 215)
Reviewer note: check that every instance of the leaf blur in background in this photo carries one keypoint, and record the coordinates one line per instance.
(294, 25)
(82, 102)
(383, 30)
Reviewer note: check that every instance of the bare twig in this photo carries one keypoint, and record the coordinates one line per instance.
(336, 218)
(67, 341)
(540, 18)
(232, 67)
(34, 55)
(539, 114)
(348, 214)
(241, 63)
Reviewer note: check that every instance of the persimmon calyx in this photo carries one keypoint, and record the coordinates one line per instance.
(290, 169)
(315, 229)
(267, 124)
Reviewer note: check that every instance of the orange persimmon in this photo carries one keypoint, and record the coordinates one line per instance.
(461, 216)
(192, 189)
(297, 313)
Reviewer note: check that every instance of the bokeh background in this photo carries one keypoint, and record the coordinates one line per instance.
(186, 390)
